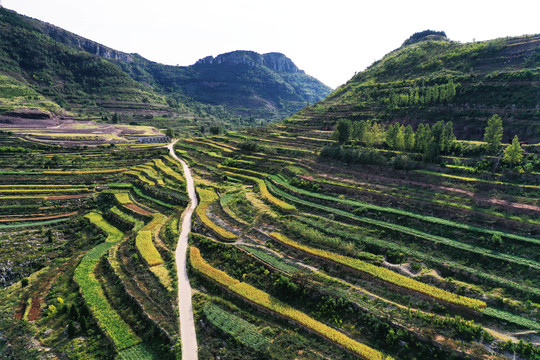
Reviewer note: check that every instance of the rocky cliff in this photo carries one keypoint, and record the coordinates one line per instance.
(274, 61)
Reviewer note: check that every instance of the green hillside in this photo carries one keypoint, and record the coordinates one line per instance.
(92, 80)
(73, 79)
(432, 78)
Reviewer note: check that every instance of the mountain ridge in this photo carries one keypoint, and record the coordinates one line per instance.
(268, 91)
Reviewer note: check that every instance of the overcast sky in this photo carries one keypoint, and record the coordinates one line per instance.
(329, 39)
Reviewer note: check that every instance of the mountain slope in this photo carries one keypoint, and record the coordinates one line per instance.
(70, 78)
(78, 73)
(432, 78)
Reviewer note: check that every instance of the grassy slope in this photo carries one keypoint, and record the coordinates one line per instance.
(496, 76)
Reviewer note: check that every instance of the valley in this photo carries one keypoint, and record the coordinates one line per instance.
(354, 260)
(158, 212)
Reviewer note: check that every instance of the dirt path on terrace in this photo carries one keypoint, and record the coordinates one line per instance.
(185, 307)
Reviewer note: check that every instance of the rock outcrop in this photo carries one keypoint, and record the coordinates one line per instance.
(67, 38)
(274, 61)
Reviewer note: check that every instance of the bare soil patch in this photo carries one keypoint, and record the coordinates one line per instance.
(67, 197)
(73, 132)
(35, 309)
(40, 217)
(138, 209)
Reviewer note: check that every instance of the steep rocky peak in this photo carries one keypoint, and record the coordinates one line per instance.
(279, 62)
(275, 61)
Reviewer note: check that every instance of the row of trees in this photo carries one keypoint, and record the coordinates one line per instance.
(431, 141)
(436, 94)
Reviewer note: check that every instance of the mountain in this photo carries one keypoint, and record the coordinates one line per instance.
(44, 64)
(431, 78)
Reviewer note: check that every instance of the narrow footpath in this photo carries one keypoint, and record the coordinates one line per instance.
(187, 324)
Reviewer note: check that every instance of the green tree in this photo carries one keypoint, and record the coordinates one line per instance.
(342, 132)
(423, 134)
(400, 137)
(215, 130)
(437, 132)
(513, 153)
(359, 130)
(50, 236)
(375, 134)
(431, 150)
(391, 136)
(408, 138)
(395, 137)
(493, 133)
(71, 329)
(170, 133)
(447, 138)
(116, 118)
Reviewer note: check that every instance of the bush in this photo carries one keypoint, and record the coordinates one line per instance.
(353, 156)
(403, 162)
(249, 145)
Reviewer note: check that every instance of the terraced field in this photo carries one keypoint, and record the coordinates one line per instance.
(93, 234)
(326, 238)
(292, 255)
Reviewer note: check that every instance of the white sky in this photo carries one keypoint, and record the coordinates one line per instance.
(329, 39)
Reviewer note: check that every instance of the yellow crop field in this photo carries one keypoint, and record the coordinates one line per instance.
(208, 197)
(384, 274)
(264, 192)
(146, 247)
(268, 302)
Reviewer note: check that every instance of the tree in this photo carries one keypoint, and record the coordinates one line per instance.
(400, 137)
(431, 150)
(73, 312)
(423, 134)
(170, 133)
(71, 329)
(342, 132)
(375, 134)
(395, 137)
(437, 132)
(50, 236)
(447, 137)
(215, 130)
(408, 138)
(513, 153)
(493, 133)
(359, 130)
(391, 136)
(116, 118)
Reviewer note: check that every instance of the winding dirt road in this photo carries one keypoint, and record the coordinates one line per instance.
(187, 324)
